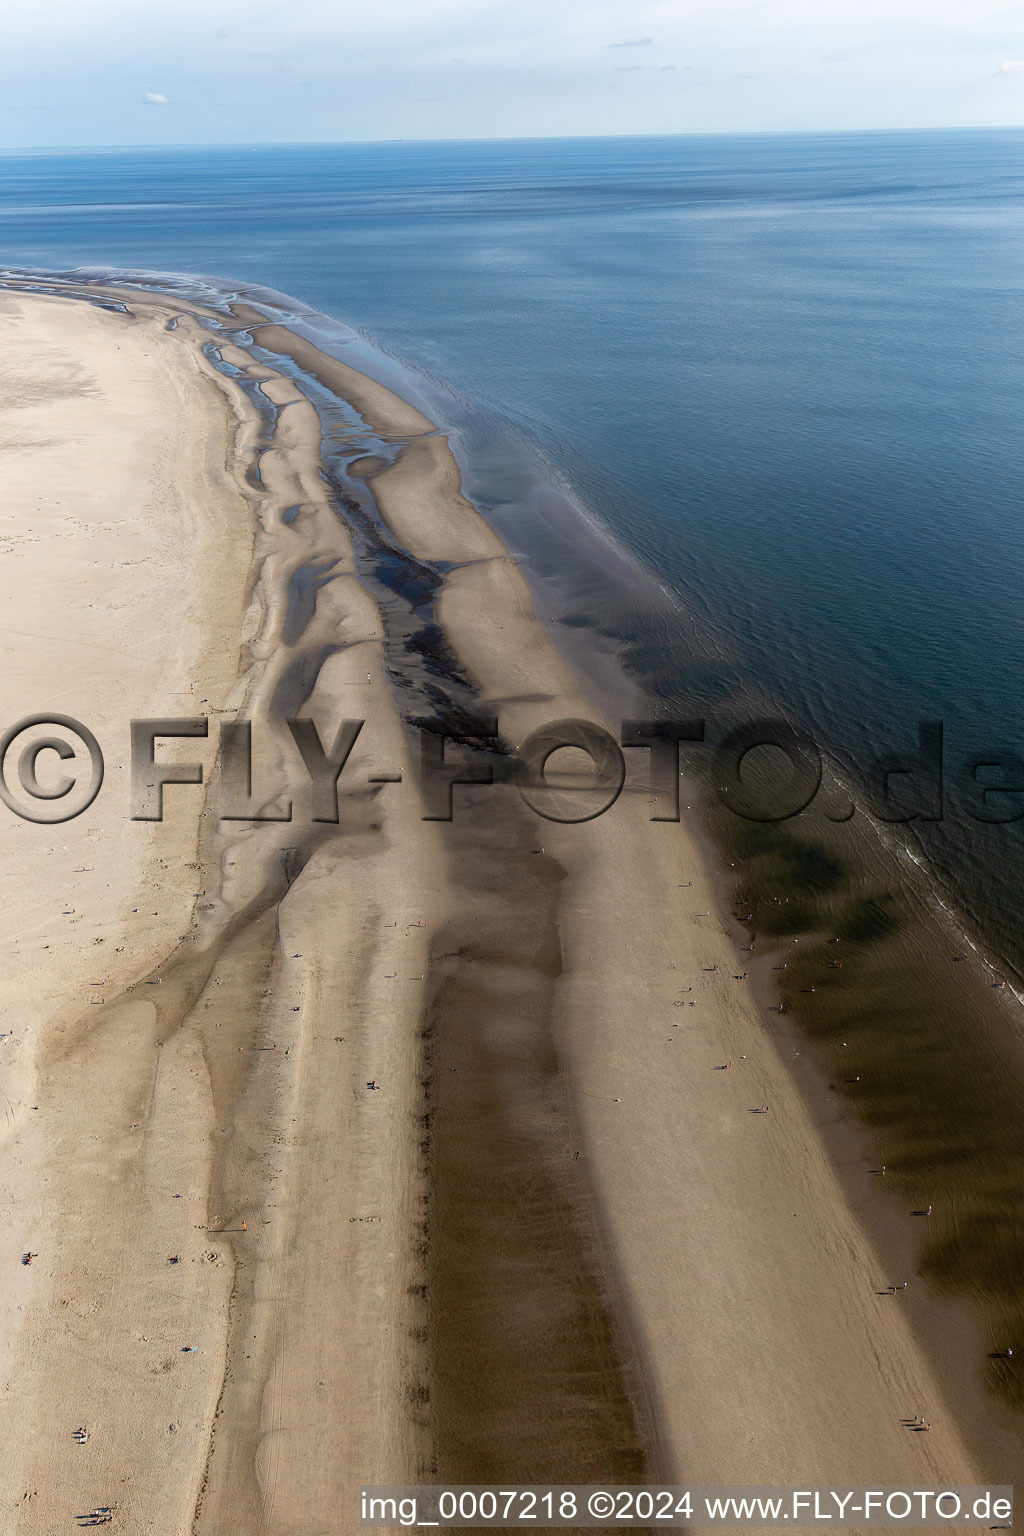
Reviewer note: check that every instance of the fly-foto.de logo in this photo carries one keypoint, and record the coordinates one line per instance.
(572, 770)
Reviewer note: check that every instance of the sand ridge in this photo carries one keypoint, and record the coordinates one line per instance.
(749, 1286)
(745, 1312)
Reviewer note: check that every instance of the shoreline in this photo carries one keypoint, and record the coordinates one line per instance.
(639, 1259)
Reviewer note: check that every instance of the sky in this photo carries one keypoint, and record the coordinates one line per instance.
(113, 72)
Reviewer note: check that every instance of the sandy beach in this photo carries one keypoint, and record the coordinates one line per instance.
(560, 1239)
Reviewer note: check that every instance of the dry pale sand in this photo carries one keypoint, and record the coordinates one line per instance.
(557, 1242)
(195, 1007)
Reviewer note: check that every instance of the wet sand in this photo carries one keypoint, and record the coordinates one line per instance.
(557, 1240)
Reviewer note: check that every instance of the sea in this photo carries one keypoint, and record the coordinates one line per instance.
(777, 379)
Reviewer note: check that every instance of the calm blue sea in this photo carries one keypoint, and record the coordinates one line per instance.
(787, 372)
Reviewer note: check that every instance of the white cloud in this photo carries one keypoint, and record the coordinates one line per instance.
(1011, 67)
(633, 42)
(155, 99)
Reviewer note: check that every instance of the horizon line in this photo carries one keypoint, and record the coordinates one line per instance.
(510, 138)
